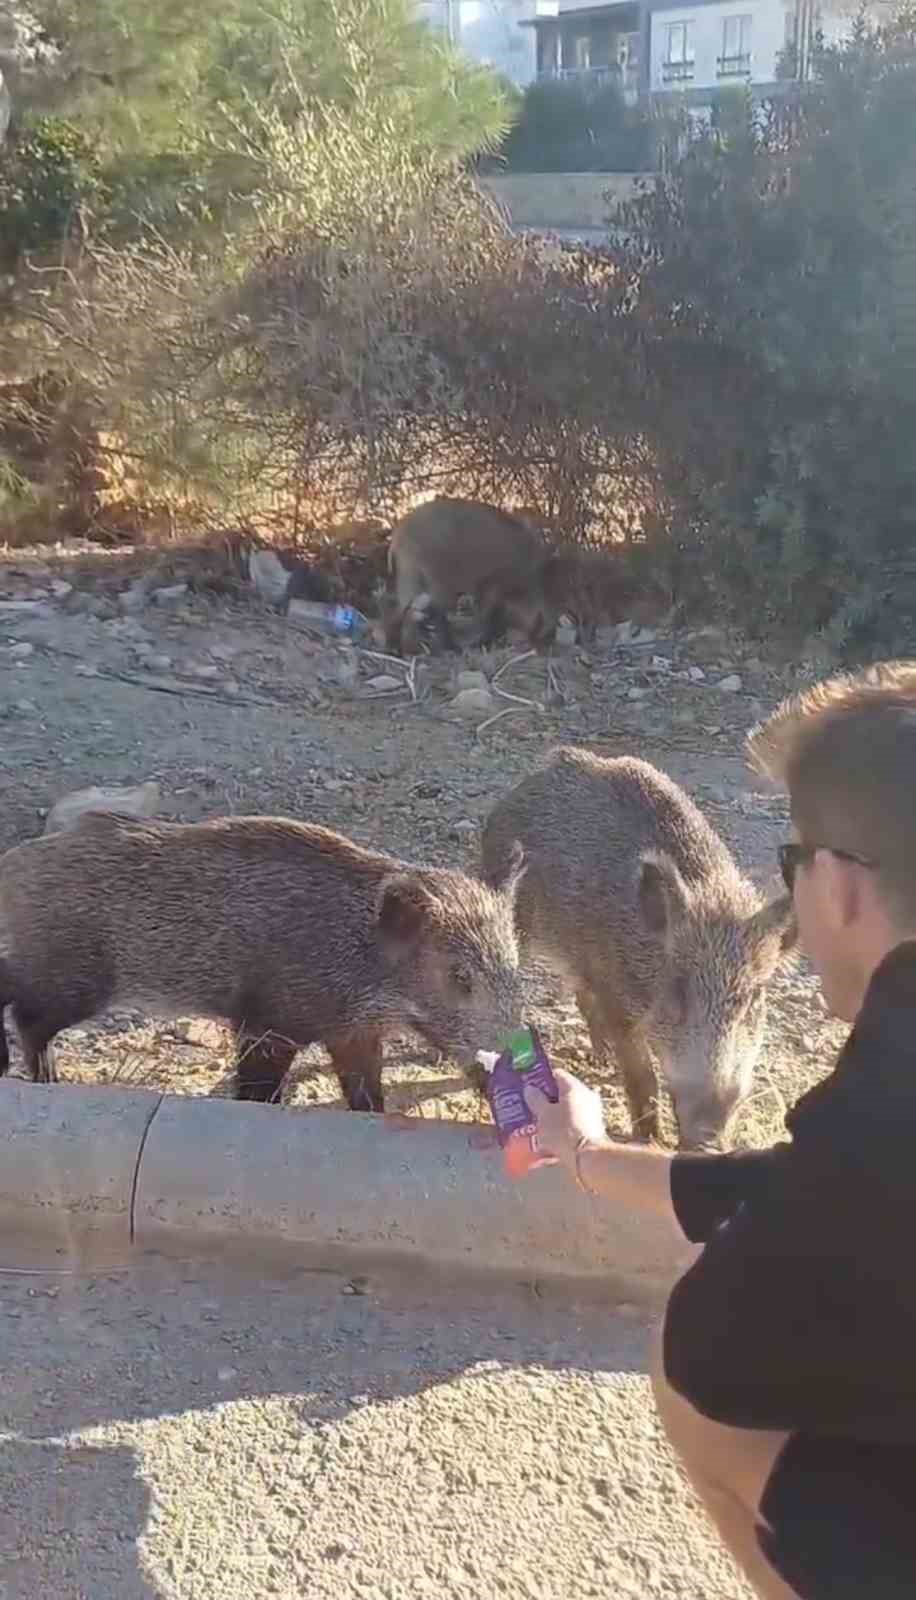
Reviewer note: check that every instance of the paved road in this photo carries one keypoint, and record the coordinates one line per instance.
(178, 1432)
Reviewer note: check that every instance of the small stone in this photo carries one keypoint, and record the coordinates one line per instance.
(200, 1031)
(60, 588)
(696, 674)
(465, 827)
(134, 598)
(346, 666)
(157, 663)
(473, 704)
(24, 608)
(141, 801)
(201, 669)
(384, 683)
(85, 669)
(226, 1374)
(21, 652)
(230, 687)
(731, 684)
(660, 664)
(268, 576)
(471, 680)
(170, 595)
(637, 694)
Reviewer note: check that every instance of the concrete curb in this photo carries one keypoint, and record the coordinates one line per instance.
(88, 1168)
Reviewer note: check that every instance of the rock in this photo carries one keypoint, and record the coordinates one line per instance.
(696, 674)
(471, 680)
(731, 684)
(465, 827)
(134, 598)
(142, 801)
(473, 704)
(200, 1031)
(659, 664)
(154, 663)
(60, 588)
(25, 608)
(171, 595)
(201, 669)
(384, 683)
(637, 694)
(268, 576)
(85, 669)
(21, 652)
(345, 669)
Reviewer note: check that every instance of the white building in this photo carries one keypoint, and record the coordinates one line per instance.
(694, 49)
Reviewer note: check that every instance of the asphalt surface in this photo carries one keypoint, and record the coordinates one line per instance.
(186, 1432)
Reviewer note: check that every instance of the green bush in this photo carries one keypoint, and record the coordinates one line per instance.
(46, 175)
(576, 126)
(777, 290)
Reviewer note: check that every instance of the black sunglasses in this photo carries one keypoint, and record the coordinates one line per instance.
(795, 855)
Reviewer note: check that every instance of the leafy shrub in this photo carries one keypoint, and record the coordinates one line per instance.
(573, 125)
(50, 171)
(777, 283)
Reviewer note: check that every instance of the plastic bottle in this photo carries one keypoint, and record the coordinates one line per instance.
(523, 1060)
(344, 622)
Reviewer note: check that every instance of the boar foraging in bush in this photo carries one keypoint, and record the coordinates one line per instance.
(289, 932)
(446, 548)
(632, 897)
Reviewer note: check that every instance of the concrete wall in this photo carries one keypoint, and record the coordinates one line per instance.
(560, 199)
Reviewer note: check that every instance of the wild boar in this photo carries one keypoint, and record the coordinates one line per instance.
(632, 897)
(289, 932)
(447, 548)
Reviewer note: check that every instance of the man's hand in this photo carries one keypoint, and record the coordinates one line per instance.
(572, 1130)
(573, 1124)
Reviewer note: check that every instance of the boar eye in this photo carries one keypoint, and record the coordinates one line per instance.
(462, 980)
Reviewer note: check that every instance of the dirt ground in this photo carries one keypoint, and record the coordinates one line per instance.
(231, 709)
(162, 1437)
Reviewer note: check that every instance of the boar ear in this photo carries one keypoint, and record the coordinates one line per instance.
(661, 891)
(775, 924)
(405, 909)
(511, 872)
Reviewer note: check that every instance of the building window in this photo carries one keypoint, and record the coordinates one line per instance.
(735, 60)
(678, 60)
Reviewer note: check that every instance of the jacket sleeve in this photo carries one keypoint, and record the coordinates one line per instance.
(793, 1316)
(707, 1190)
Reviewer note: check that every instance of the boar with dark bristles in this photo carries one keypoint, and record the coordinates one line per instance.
(289, 932)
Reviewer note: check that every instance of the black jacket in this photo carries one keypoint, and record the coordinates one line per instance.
(800, 1314)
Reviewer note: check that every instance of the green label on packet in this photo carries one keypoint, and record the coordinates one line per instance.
(522, 1044)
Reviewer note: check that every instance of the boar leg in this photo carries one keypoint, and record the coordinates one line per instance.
(615, 1036)
(639, 1080)
(35, 1035)
(493, 625)
(443, 637)
(262, 1062)
(357, 1060)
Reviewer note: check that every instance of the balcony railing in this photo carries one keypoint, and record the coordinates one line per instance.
(734, 66)
(588, 74)
(677, 71)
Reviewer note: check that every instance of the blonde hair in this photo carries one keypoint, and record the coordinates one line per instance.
(846, 751)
